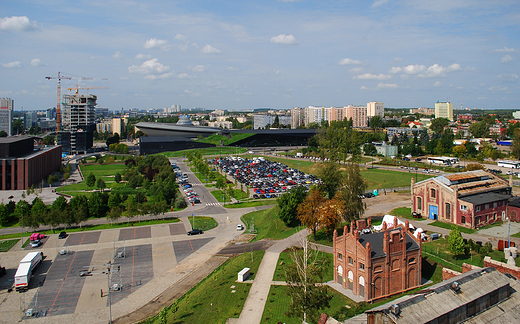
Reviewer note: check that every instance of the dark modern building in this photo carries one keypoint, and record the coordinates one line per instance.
(22, 165)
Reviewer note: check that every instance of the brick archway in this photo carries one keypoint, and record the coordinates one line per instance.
(411, 278)
(377, 288)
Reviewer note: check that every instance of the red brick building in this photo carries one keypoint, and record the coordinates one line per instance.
(21, 166)
(472, 199)
(376, 265)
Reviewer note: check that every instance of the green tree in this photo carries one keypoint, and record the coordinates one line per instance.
(478, 129)
(3, 134)
(117, 177)
(331, 178)
(91, 180)
(22, 211)
(100, 183)
(438, 124)
(515, 145)
(354, 186)
(288, 204)
(456, 242)
(376, 122)
(302, 276)
(79, 209)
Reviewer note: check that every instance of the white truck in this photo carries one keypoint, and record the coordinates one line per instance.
(25, 269)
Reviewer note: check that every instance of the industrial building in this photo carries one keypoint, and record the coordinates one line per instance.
(22, 166)
(471, 199)
(377, 265)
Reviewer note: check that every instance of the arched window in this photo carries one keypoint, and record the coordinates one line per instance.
(412, 260)
(340, 270)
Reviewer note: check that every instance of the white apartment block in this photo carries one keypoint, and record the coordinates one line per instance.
(314, 115)
(221, 123)
(444, 110)
(297, 117)
(375, 108)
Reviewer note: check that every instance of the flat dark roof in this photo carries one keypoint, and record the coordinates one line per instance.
(376, 243)
(484, 198)
(13, 139)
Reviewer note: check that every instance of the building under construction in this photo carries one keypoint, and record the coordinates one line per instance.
(77, 123)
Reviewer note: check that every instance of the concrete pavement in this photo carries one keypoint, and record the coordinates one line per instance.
(255, 303)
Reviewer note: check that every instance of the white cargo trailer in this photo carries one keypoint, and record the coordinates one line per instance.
(25, 269)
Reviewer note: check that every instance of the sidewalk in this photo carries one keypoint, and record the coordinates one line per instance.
(255, 303)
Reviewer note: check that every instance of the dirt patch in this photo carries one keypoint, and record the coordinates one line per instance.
(243, 238)
(383, 204)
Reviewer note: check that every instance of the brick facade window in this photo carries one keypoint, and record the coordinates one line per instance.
(419, 203)
(411, 261)
(350, 260)
(361, 266)
(463, 220)
(433, 193)
(448, 211)
(486, 206)
(463, 207)
(340, 256)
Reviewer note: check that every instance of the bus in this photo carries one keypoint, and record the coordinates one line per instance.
(443, 160)
(509, 164)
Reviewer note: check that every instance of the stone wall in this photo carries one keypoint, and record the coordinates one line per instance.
(502, 267)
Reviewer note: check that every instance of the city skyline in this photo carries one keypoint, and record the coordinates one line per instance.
(276, 54)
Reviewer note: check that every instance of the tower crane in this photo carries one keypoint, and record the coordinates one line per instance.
(85, 88)
(58, 103)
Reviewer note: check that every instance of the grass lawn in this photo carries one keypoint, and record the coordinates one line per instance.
(103, 171)
(268, 224)
(207, 151)
(252, 203)
(285, 259)
(219, 195)
(235, 137)
(203, 222)
(213, 300)
(96, 227)
(449, 226)
(237, 194)
(7, 245)
(278, 301)
(439, 250)
(377, 178)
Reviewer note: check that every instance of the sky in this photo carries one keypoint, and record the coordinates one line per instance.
(239, 55)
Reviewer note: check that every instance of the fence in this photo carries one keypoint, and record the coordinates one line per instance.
(448, 258)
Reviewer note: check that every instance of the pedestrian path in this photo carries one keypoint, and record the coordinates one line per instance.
(213, 204)
(255, 303)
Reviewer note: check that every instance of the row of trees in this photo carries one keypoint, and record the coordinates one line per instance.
(152, 176)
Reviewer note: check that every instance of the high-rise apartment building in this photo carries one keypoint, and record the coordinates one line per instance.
(335, 114)
(358, 115)
(375, 108)
(6, 115)
(117, 125)
(444, 110)
(315, 115)
(78, 118)
(297, 117)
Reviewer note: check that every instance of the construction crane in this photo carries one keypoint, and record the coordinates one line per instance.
(85, 88)
(58, 103)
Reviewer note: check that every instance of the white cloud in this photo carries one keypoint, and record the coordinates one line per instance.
(160, 76)
(397, 60)
(180, 37)
(454, 67)
(143, 56)
(12, 65)
(497, 88)
(414, 69)
(17, 23)
(154, 43)
(379, 3)
(506, 59)
(183, 76)
(36, 62)
(232, 69)
(369, 76)
(150, 66)
(356, 70)
(434, 70)
(437, 84)
(347, 61)
(505, 50)
(395, 69)
(363, 88)
(199, 68)
(284, 39)
(117, 55)
(387, 86)
(508, 77)
(208, 49)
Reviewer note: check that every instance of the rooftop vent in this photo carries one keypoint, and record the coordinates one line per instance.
(455, 286)
(394, 309)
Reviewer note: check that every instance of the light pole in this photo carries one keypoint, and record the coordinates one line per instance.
(298, 169)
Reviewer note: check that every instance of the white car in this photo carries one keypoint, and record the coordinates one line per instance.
(240, 227)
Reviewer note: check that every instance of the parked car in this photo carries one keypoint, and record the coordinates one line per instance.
(36, 243)
(195, 232)
(240, 227)
(62, 235)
